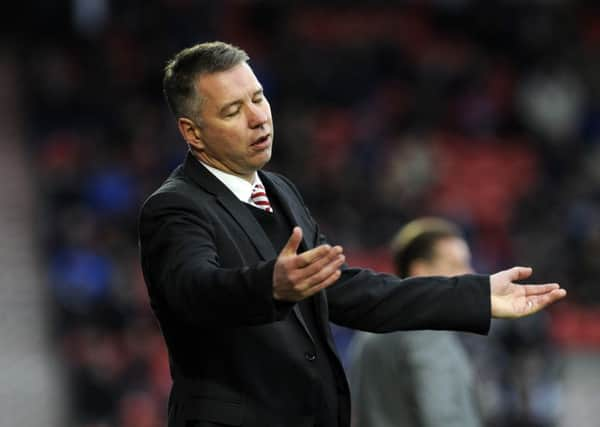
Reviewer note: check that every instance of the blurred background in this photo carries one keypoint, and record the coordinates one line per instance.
(485, 113)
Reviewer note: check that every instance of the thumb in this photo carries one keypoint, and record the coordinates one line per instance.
(518, 273)
(292, 245)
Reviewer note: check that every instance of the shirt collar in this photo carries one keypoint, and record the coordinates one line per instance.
(241, 188)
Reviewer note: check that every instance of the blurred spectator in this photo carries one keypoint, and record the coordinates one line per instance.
(417, 378)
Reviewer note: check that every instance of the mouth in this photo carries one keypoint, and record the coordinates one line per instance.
(261, 142)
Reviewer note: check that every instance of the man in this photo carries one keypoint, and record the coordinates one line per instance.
(417, 378)
(243, 283)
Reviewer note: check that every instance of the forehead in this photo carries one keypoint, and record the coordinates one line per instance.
(227, 86)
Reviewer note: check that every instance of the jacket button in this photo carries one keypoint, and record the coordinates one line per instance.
(310, 356)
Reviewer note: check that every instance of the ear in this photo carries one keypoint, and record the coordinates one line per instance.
(191, 133)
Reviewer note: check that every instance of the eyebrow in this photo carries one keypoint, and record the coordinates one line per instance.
(259, 91)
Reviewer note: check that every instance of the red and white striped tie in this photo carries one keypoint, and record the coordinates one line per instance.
(259, 198)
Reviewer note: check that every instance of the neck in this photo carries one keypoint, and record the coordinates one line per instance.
(251, 177)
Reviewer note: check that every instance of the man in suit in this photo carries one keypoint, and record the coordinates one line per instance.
(416, 378)
(243, 287)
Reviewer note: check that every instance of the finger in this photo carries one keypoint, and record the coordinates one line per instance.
(307, 258)
(324, 284)
(323, 272)
(520, 273)
(315, 264)
(538, 302)
(540, 289)
(293, 243)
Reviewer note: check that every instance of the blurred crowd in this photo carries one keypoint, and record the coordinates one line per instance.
(486, 113)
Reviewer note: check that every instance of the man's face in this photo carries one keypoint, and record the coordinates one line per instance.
(236, 128)
(451, 257)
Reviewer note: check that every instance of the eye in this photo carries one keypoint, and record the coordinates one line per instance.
(233, 113)
(258, 98)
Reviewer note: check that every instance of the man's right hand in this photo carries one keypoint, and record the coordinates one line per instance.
(298, 276)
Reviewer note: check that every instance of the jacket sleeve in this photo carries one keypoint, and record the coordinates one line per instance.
(184, 273)
(376, 302)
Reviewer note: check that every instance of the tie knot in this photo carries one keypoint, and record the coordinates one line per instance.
(259, 198)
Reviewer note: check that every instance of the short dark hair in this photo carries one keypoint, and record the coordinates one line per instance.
(183, 69)
(417, 239)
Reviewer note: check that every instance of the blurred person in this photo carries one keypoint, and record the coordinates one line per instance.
(416, 378)
(243, 283)
(139, 409)
(529, 367)
(97, 374)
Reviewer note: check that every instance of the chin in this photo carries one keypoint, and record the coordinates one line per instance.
(262, 162)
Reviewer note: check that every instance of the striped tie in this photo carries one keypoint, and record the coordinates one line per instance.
(259, 198)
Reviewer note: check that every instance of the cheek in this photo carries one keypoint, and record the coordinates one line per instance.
(226, 139)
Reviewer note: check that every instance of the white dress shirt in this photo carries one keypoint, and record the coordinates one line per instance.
(238, 186)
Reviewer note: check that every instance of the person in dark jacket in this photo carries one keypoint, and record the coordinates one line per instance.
(243, 283)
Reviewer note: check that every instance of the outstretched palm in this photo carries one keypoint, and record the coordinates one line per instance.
(511, 300)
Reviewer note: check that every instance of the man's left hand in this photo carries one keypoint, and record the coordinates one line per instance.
(511, 300)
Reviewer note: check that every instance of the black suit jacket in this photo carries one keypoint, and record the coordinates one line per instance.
(237, 356)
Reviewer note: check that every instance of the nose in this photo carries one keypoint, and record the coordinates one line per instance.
(257, 116)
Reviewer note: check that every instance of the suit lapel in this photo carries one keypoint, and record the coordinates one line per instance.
(290, 205)
(232, 205)
(291, 209)
(249, 224)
